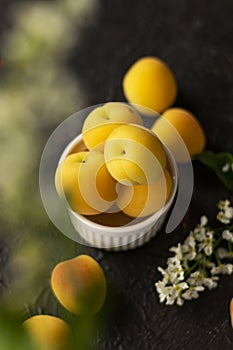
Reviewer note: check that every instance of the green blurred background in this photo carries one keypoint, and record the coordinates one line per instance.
(38, 90)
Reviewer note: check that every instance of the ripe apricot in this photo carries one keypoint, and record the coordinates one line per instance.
(104, 119)
(149, 82)
(86, 183)
(143, 200)
(79, 285)
(133, 154)
(48, 332)
(187, 126)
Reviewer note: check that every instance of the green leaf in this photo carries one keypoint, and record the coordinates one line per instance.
(13, 336)
(216, 162)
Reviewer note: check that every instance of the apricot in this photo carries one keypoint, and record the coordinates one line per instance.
(133, 154)
(182, 121)
(86, 182)
(143, 200)
(79, 285)
(103, 120)
(149, 82)
(48, 332)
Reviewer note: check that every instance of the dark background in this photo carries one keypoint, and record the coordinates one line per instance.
(195, 39)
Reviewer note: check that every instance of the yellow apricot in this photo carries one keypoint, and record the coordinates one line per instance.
(79, 285)
(48, 332)
(104, 119)
(86, 183)
(133, 154)
(182, 121)
(143, 200)
(149, 82)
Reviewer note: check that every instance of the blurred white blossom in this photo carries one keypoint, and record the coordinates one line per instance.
(227, 167)
(74, 8)
(227, 235)
(36, 93)
(223, 253)
(46, 29)
(224, 269)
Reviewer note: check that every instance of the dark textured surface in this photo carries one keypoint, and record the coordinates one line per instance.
(195, 39)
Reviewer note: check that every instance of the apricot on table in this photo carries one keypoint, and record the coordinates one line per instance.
(79, 285)
(150, 82)
(134, 154)
(103, 120)
(86, 182)
(188, 127)
(48, 332)
(144, 200)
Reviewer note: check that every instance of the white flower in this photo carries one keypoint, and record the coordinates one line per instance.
(207, 244)
(226, 168)
(170, 293)
(175, 270)
(203, 221)
(173, 261)
(229, 212)
(211, 282)
(226, 212)
(208, 250)
(189, 248)
(199, 233)
(227, 235)
(222, 253)
(222, 218)
(164, 273)
(192, 292)
(174, 294)
(222, 205)
(198, 278)
(162, 290)
(225, 269)
(179, 301)
(178, 251)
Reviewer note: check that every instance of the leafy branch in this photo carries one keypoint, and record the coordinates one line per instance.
(221, 164)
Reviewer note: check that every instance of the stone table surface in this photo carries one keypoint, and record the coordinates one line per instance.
(195, 39)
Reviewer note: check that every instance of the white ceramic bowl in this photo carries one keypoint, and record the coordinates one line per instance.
(123, 237)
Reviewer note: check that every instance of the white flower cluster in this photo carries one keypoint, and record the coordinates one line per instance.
(196, 264)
